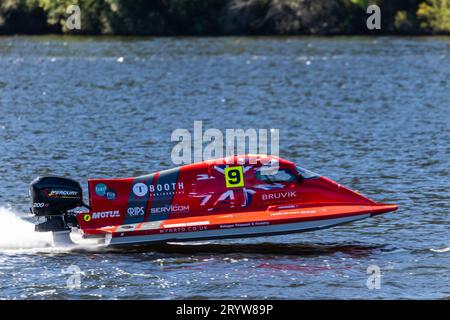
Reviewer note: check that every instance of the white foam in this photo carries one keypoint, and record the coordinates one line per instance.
(441, 250)
(16, 233)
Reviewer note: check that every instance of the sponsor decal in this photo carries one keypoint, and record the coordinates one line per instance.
(184, 229)
(160, 187)
(243, 225)
(140, 189)
(62, 193)
(100, 189)
(282, 213)
(40, 205)
(110, 194)
(234, 177)
(136, 211)
(105, 214)
(279, 195)
(169, 209)
(87, 217)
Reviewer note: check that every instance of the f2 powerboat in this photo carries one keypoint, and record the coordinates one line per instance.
(240, 196)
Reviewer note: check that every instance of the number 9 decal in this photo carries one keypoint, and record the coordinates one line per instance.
(234, 177)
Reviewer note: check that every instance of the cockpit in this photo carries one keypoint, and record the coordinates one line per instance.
(284, 174)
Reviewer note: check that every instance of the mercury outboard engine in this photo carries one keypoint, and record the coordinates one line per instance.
(53, 198)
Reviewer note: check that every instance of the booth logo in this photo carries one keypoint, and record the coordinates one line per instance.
(160, 187)
(141, 189)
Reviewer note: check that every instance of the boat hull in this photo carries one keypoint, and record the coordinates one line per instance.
(275, 221)
(245, 232)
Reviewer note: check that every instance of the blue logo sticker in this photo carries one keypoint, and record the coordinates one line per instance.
(110, 194)
(100, 189)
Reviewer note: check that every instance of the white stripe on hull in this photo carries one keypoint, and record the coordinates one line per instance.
(236, 232)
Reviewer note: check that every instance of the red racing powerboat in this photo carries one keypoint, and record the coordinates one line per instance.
(241, 196)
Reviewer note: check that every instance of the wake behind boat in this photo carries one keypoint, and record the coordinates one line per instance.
(241, 196)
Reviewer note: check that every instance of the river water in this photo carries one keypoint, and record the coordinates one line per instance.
(370, 113)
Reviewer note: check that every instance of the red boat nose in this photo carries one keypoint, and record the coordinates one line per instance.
(383, 208)
(325, 190)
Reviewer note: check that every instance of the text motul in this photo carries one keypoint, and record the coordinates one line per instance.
(106, 214)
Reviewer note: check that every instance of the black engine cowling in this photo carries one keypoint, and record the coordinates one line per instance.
(52, 196)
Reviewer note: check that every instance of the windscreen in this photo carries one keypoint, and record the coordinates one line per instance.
(306, 174)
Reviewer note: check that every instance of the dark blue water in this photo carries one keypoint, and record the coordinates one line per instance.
(370, 113)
